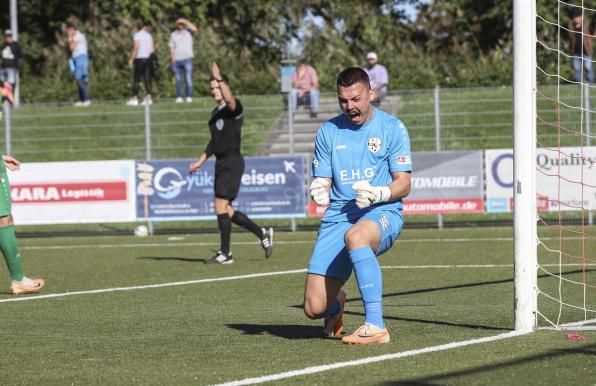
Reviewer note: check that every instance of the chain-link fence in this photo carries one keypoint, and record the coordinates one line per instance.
(111, 130)
(437, 119)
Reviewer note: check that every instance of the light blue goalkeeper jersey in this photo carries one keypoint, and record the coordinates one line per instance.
(348, 153)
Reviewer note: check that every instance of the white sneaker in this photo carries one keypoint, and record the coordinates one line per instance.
(132, 102)
(188, 99)
(86, 103)
(79, 104)
(179, 100)
(147, 101)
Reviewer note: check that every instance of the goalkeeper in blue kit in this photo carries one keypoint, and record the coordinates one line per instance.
(361, 169)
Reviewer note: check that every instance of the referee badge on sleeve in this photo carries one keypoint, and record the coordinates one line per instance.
(219, 124)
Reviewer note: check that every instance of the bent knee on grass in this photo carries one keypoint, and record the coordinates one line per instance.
(314, 308)
(364, 233)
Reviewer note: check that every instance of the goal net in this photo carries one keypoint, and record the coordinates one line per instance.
(563, 160)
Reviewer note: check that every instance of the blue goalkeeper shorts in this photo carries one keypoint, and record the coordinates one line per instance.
(330, 255)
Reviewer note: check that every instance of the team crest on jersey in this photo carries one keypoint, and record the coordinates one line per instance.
(219, 124)
(374, 144)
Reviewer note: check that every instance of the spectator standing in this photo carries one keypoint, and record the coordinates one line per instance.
(79, 63)
(140, 61)
(580, 42)
(11, 56)
(305, 81)
(379, 79)
(181, 55)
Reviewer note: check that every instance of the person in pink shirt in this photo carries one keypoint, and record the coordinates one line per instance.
(305, 80)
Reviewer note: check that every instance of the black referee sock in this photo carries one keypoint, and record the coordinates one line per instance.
(225, 230)
(242, 220)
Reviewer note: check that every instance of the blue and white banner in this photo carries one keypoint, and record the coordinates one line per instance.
(271, 187)
(565, 179)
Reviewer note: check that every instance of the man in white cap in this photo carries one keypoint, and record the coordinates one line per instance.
(379, 79)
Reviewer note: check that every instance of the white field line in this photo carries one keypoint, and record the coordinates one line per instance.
(255, 275)
(577, 324)
(141, 287)
(286, 242)
(368, 360)
(440, 266)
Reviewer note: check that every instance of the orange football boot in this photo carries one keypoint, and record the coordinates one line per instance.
(367, 334)
(21, 288)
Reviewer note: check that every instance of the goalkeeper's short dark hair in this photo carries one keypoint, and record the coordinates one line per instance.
(351, 76)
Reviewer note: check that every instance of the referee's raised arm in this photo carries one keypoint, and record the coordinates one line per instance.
(224, 87)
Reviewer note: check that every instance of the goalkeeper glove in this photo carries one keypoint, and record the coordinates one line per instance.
(319, 191)
(367, 195)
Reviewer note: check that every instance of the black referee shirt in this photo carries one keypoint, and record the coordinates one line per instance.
(225, 128)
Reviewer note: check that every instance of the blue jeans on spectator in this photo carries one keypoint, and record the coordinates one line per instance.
(178, 67)
(9, 75)
(81, 66)
(314, 99)
(577, 66)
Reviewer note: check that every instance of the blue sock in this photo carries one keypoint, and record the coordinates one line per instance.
(333, 309)
(370, 282)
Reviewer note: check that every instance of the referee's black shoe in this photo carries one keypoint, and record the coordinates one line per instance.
(221, 258)
(267, 241)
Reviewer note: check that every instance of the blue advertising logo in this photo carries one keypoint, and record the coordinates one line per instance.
(495, 171)
(270, 187)
(168, 183)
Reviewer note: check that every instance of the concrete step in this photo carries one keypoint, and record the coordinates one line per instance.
(298, 128)
(298, 137)
(306, 155)
(281, 147)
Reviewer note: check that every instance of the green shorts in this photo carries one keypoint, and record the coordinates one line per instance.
(5, 207)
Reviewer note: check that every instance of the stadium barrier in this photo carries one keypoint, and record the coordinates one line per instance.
(276, 187)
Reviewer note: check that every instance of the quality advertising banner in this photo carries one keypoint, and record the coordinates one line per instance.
(73, 192)
(271, 187)
(565, 179)
(442, 182)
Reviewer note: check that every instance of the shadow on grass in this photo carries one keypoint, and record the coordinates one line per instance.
(437, 322)
(286, 331)
(446, 288)
(467, 285)
(173, 258)
(443, 378)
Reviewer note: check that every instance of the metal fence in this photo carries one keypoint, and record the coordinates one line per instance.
(111, 130)
(437, 119)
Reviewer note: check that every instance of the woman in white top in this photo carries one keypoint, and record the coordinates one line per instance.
(140, 62)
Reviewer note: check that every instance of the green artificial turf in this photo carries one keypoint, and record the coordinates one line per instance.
(212, 332)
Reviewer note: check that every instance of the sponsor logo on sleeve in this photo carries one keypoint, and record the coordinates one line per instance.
(404, 160)
(315, 163)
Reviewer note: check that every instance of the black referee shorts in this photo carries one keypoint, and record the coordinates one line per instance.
(228, 174)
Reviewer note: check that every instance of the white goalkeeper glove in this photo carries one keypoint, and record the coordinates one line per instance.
(367, 195)
(319, 191)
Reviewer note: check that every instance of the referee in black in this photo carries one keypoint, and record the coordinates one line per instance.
(224, 125)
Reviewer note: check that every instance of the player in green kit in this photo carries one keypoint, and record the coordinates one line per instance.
(21, 284)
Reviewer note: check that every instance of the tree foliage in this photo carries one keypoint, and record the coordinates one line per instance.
(449, 42)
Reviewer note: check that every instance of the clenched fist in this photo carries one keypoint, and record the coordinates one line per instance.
(319, 191)
(367, 195)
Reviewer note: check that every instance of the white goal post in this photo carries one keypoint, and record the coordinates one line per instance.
(524, 169)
